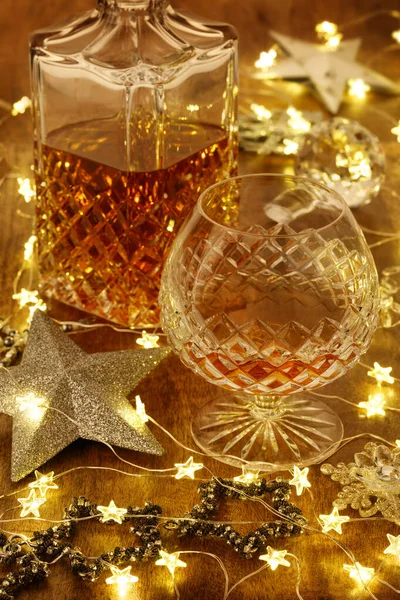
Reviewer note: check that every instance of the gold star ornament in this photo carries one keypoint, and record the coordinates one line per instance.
(57, 378)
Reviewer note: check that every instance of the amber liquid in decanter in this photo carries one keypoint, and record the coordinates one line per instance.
(104, 232)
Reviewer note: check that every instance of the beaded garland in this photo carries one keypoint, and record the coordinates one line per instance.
(55, 542)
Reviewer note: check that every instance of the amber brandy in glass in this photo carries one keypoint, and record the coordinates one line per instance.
(270, 291)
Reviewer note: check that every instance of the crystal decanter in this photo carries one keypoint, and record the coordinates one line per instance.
(135, 115)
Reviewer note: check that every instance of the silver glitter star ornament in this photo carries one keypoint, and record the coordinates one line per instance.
(90, 388)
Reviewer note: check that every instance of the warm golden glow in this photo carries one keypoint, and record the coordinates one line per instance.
(141, 410)
(121, 577)
(25, 297)
(29, 247)
(248, 475)
(148, 340)
(300, 479)
(32, 405)
(297, 121)
(326, 29)
(112, 513)
(43, 482)
(381, 374)
(396, 131)
(187, 469)
(359, 573)
(375, 405)
(291, 147)
(25, 189)
(171, 561)
(333, 521)
(396, 35)
(357, 88)
(20, 106)
(31, 504)
(260, 111)
(274, 558)
(266, 59)
(394, 545)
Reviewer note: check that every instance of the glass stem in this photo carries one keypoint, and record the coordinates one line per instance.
(268, 406)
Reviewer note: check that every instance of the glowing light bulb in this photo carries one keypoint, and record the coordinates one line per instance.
(25, 297)
(333, 521)
(397, 442)
(188, 468)
(141, 410)
(266, 59)
(357, 88)
(34, 406)
(300, 479)
(25, 189)
(121, 577)
(31, 504)
(375, 405)
(290, 147)
(29, 247)
(171, 561)
(394, 545)
(359, 573)
(326, 29)
(396, 35)
(333, 42)
(297, 121)
(148, 340)
(20, 106)
(112, 513)
(43, 482)
(396, 131)
(260, 111)
(381, 374)
(193, 107)
(248, 475)
(274, 558)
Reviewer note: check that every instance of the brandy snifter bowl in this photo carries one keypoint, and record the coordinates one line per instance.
(270, 291)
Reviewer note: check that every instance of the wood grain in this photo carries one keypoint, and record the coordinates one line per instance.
(172, 393)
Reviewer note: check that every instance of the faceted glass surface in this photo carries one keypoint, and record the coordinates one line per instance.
(270, 289)
(346, 157)
(135, 115)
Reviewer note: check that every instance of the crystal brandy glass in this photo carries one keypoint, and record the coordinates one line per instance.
(270, 291)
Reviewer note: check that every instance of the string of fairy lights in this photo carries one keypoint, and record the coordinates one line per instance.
(375, 407)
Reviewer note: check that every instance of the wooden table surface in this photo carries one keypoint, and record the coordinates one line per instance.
(172, 392)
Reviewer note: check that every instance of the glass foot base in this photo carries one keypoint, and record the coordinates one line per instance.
(300, 431)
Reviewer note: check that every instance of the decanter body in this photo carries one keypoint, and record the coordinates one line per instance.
(135, 115)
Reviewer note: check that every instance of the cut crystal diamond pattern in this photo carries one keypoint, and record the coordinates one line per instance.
(267, 315)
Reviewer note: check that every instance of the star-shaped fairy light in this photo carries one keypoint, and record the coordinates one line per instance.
(43, 482)
(121, 577)
(396, 131)
(274, 558)
(381, 374)
(300, 479)
(333, 521)
(148, 340)
(90, 388)
(31, 504)
(141, 410)
(328, 66)
(375, 405)
(25, 189)
(248, 475)
(360, 573)
(171, 561)
(187, 469)
(112, 513)
(21, 105)
(394, 545)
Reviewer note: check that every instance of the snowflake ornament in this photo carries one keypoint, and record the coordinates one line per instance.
(371, 484)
